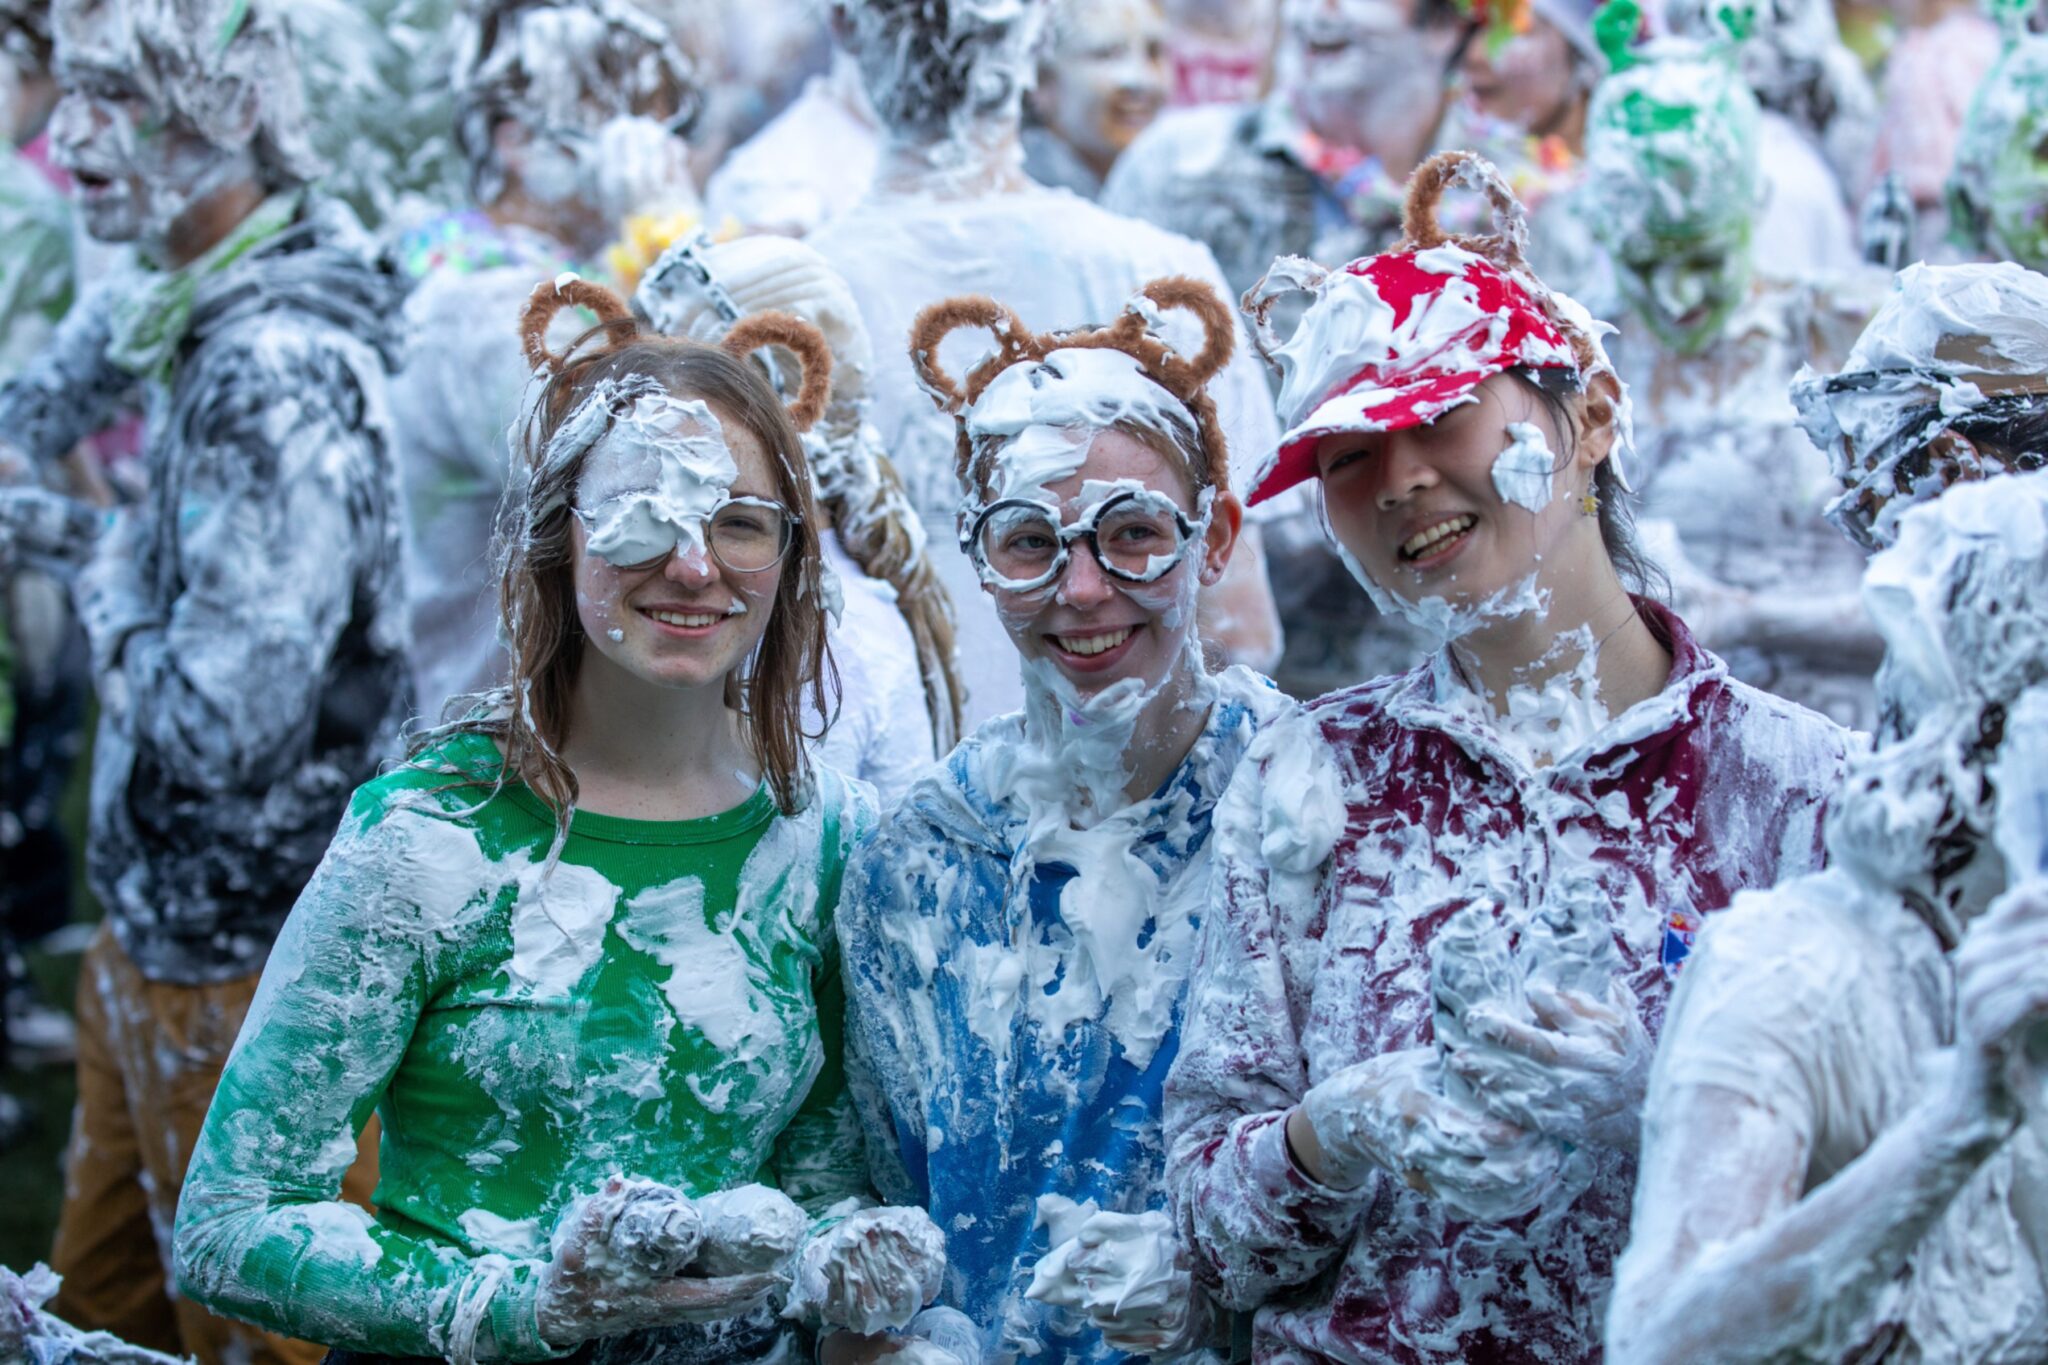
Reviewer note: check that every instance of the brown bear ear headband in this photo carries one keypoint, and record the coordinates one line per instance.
(1132, 333)
(748, 335)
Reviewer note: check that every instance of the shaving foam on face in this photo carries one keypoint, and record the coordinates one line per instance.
(1038, 419)
(1523, 474)
(655, 479)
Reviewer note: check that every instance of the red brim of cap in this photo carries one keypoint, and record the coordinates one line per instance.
(1367, 408)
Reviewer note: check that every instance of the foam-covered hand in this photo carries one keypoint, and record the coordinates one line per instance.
(1579, 1072)
(870, 1271)
(41, 527)
(616, 1263)
(1389, 1113)
(1126, 1272)
(2002, 1001)
(748, 1229)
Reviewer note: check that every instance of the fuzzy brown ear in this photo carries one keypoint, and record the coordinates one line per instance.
(1506, 245)
(1219, 337)
(550, 297)
(940, 320)
(800, 339)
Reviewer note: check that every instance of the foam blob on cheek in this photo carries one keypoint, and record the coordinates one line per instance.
(1523, 474)
(655, 480)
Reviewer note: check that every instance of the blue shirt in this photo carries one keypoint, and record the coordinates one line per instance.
(991, 1062)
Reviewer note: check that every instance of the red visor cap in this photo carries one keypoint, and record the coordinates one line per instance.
(1415, 373)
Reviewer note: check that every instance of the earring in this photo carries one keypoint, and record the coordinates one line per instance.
(1589, 504)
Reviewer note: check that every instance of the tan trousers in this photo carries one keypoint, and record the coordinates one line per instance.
(149, 1057)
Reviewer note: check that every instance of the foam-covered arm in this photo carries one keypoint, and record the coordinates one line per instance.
(1730, 1264)
(1776, 1024)
(1251, 1220)
(262, 1234)
(69, 390)
(281, 503)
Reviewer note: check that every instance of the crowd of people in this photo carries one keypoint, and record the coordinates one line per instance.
(968, 681)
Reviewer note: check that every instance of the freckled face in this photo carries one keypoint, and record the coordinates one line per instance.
(1097, 629)
(683, 620)
(1419, 511)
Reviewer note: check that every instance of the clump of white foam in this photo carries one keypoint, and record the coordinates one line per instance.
(655, 479)
(1524, 473)
(1122, 1268)
(1043, 416)
(747, 1229)
(870, 1272)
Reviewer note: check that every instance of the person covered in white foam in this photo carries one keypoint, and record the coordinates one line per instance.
(577, 951)
(1102, 78)
(1017, 935)
(1447, 909)
(1733, 493)
(565, 115)
(892, 629)
(952, 212)
(1843, 1146)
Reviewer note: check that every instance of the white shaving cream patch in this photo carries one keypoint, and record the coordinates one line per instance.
(655, 479)
(1523, 473)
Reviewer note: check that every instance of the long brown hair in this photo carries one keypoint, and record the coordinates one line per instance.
(530, 716)
(878, 527)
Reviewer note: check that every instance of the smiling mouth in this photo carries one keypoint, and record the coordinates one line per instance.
(1089, 645)
(687, 620)
(1434, 540)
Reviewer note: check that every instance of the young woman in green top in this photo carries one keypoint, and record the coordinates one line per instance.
(578, 951)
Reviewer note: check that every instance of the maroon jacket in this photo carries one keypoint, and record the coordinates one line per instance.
(1707, 788)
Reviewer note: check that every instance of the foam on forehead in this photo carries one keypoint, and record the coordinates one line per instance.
(1671, 147)
(200, 60)
(556, 64)
(661, 469)
(1037, 419)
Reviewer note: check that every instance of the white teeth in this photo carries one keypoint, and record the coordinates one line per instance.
(1414, 546)
(687, 619)
(1093, 644)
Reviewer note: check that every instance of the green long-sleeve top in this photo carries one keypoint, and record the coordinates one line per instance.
(663, 1001)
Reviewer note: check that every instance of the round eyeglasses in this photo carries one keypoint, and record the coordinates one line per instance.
(745, 535)
(1137, 535)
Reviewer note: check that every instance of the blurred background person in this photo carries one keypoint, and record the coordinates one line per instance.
(1944, 51)
(809, 163)
(1315, 168)
(951, 211)
(1221, 51)
(1102, 79)
(1998, 190)
(1733, 492)
(1817, 124)
(568, 117)
(246, 620)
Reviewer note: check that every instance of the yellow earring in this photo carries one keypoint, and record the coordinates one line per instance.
(1589, 504)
